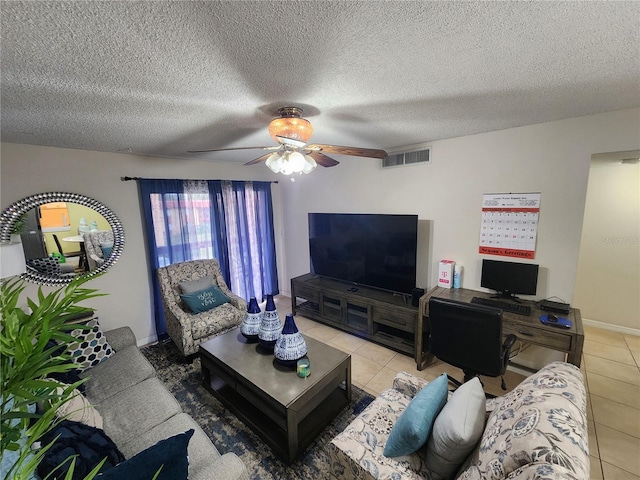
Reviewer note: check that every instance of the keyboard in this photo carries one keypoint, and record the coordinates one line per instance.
(502, 305)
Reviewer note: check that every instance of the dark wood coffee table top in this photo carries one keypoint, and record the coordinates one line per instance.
(287, 411)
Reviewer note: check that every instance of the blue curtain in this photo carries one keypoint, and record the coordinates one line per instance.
(231, 221)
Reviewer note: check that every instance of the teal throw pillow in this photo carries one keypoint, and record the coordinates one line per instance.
(106, 250)
(413, 427)
(168, 455)
(204, 300)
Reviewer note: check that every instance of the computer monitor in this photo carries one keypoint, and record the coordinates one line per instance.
(509, 278)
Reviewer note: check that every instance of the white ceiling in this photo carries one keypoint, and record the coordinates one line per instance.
(161, 78)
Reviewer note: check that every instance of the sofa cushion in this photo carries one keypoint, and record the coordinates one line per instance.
(137, 409)
(413, 428)
(205, 299)
(215, 321)
(542, 420)
(457, 430)
(201, 450)
(168, 457)
(125, 368)
(91, 346)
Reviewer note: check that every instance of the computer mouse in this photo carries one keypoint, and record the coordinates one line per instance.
(551, 318)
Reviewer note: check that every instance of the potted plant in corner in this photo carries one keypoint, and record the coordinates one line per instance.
(26, 360)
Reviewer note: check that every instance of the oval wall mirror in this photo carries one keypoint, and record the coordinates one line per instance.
(53, 224)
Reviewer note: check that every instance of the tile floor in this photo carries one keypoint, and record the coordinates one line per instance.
(612, 378)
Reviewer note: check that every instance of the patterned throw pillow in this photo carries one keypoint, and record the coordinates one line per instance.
(46, 265)
(91, 346)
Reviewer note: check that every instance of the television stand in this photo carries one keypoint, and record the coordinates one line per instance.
(377, 315)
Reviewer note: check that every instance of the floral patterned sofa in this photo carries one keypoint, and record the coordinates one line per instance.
(537, 431)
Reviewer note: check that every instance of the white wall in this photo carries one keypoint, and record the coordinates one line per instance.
(27, 170)
(608, 281)
(551, 158)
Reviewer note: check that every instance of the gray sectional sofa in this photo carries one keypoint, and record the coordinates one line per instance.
(138, 410)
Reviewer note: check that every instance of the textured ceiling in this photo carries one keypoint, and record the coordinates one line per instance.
(161, 78)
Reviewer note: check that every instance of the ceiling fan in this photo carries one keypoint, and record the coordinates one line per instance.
(293, 154)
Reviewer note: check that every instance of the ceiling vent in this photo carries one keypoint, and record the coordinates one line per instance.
(407, 157)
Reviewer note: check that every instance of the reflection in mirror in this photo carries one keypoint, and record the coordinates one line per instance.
(63, 235)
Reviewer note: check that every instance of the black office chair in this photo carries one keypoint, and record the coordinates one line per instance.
(80, 253)
(469, 336)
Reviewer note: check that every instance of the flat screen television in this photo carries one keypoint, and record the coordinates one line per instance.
(509, 278)
(375, 250)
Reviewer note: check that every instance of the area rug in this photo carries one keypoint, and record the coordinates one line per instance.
(229, 434)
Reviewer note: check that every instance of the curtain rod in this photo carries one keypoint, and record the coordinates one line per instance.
(126, 179)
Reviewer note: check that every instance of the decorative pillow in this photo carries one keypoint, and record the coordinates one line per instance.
(169, 455)
(46, 265)
(78, 409)
(457, 430)
(192, 286)
(91, 346)
(89, 445)
(413, 427)
(204, 300)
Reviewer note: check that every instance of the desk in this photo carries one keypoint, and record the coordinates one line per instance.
(527, 329)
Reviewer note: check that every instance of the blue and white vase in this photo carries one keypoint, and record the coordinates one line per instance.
(270, 326)
(250, 326)
(290, 346)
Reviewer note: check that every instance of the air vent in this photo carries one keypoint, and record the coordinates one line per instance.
(411, 157)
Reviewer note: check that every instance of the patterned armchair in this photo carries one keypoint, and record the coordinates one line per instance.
(93, 243)
(188, 330)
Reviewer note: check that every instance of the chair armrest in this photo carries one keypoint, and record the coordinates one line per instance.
(120, 338)
(408, 384)
(509, 341)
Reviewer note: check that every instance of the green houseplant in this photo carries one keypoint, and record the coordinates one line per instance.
(26, 359)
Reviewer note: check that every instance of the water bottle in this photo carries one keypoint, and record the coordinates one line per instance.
(457, 276)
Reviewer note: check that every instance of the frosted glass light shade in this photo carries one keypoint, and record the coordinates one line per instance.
(12, 260)
(297, 161)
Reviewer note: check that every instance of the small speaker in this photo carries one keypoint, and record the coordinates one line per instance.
(416, 293)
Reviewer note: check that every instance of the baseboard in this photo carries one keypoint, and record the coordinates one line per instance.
(613, 328)
(147, 341)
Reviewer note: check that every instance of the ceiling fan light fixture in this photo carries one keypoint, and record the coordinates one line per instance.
(274, 162)
(290, 125)
(297, 161)
(310, 164)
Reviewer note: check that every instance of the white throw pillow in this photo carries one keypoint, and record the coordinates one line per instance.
(457, 430)
(79, 409)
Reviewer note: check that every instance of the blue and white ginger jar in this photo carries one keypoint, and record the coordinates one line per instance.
(290, 346)
(250, 326)
(270, 326)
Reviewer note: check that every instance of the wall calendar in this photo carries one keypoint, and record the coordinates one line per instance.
(509, 224)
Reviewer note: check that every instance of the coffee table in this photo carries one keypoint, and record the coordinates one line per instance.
(286, 411)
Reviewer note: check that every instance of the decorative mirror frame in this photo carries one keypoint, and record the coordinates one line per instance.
(12, 214)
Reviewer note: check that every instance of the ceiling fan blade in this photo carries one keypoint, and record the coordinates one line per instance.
(236, 148)
(259, 159)
(322, 159)
(352, 151)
